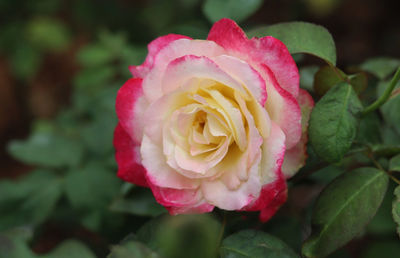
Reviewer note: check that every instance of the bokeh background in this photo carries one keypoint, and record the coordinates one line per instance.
(62, 61)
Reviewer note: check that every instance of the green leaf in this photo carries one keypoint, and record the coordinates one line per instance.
(343, 210)
(307, 77)
(359, 81)
(25, 61)
(70, 248)
(182, 236)
(391, 114)
(333, 122)
(369, 129)
(382, 224)
(255, 244)
(396, 208)
(48, 34)
(29, 200)
(14, 248)
(394, 163)
(141, 203)
(92, 187)
(47, 148)
(301, 37)
(94, 55)
(237, 10)
(132, 249)
(326, 78)
(381, 67)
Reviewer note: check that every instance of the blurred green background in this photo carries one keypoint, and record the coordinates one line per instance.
(61, 64)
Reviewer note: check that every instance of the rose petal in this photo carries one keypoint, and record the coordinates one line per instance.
(153, 49)
(158, 172)
(266, 50)
(130, 107)
(296, 156)
(128, 158)
(178, 48)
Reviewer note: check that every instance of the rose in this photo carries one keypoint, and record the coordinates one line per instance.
(213, 123)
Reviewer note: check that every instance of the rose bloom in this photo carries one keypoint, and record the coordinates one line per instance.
(213, 123)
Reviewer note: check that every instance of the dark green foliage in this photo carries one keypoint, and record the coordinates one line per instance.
(343, 209)
(333, 122)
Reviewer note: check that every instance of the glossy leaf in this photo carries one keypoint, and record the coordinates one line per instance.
(396, 208)
(333, 122)
(255, 244)
(132, 249)
(237, 10)
(381, 67)
(343, 210)
(301, 37)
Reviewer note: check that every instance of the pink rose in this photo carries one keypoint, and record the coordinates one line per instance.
(213, 123)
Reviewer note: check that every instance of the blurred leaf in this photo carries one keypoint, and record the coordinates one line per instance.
(182, 236)
(14, 248)
(394, 164)
(132, 249)
(237, 10)
(141, 203)
(92, 187)
(25, 61)
(386, 248)
(43, 6)
(195, 29)
(48, 34)
(307, 77)
(69, 249)
(389, 135)
(359, 81)
(93, 79)
(343, 209)
(381, 67)
(333, 122)
(326, 78)
(47, 148)
(369, 129)
(94, 55)
(29, 200)
(301, 37)
(396, 208)
(255, 244)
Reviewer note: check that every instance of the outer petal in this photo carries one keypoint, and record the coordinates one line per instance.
(128, 158)
(130, 107)
(266, 50)
(273, 192)
(295, 157)
(283, 108)
(178, 201)
(154, 47)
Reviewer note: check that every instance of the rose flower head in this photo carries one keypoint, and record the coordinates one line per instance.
(213, 123)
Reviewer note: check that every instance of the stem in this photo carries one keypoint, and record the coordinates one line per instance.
(376, 163)
(385, 96)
